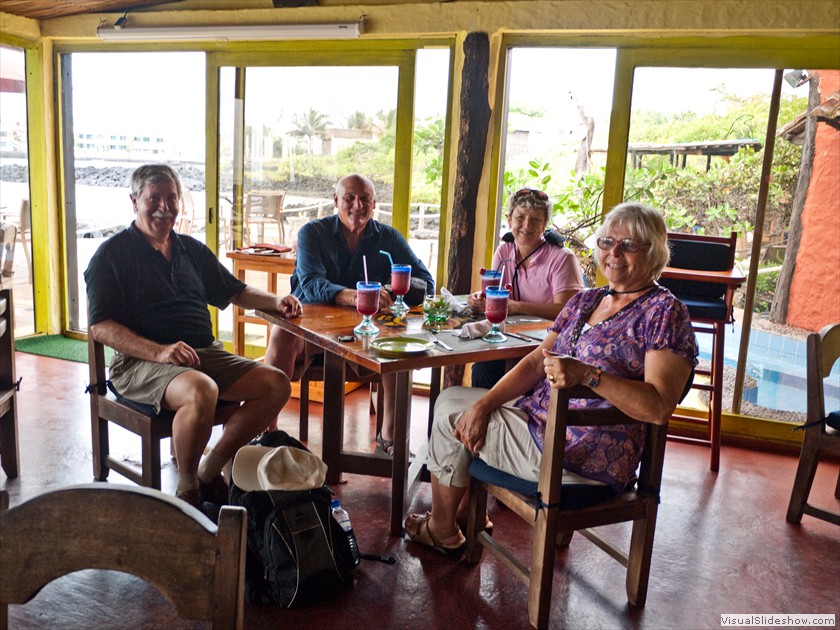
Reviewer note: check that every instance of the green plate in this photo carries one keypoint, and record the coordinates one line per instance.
(401, 346)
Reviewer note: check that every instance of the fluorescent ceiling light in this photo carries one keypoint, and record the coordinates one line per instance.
(223, 33)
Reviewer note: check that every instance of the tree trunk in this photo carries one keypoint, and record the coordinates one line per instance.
(472, 142)
(781, 299)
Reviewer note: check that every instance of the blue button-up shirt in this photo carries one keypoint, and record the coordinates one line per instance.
(325, 266)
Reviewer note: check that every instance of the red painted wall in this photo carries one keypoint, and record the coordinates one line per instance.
(815, 287)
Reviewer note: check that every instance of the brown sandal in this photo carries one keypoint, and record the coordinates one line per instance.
(417, 528)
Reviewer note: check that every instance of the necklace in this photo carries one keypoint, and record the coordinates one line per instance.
(614, 292)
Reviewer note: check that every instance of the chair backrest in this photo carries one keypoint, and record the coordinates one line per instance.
(701, 253)
(8, 239)
(199, 567)
(822, 351)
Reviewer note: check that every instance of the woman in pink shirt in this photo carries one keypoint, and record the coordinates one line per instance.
(542, 274)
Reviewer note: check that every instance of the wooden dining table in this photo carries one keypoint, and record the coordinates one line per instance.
(322, 324)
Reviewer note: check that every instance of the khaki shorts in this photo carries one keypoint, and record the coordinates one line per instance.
(145, 382)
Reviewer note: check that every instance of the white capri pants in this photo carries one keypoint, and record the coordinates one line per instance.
(508, 445)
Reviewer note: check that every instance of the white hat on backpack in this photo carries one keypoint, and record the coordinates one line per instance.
(282, 468)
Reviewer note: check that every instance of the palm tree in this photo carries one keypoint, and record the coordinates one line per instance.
(359, 120)
(310, 125)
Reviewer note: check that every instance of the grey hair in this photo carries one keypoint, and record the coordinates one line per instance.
(645, 225)
(154, 174)
(529, 202)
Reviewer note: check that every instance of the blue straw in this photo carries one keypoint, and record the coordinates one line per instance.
(388, 255)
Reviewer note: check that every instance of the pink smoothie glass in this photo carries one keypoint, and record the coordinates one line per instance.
(490, 278)
(495, 309)
(400, 284)
(367, 303)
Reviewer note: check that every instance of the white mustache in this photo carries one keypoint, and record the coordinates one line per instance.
(163, 215)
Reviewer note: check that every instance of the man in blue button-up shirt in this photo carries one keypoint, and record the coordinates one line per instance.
(330, 254)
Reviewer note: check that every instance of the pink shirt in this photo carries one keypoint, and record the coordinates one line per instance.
(551, 270)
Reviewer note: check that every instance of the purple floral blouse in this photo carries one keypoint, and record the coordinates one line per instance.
(654, 321)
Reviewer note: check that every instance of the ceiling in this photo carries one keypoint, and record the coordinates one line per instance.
(40, 10)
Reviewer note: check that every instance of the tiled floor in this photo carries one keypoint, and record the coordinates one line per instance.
(722, 542)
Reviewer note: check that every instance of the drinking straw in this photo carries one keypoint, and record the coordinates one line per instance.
(502, 262)
(502, 273)
(388, 255)
(364, 264)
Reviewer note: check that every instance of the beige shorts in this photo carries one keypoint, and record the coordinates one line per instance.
(145, 382)
(508, 444)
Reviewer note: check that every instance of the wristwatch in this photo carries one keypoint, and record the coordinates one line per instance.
(593, 382)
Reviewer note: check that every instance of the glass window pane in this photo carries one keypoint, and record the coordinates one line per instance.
(696, 150)
(15, 211)
(129, 109)
(556, 135)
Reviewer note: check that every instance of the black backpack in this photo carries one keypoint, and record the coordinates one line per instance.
(297, 553)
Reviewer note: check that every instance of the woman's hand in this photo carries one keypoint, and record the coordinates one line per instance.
(565, 371)
(476, 302)
(471, 428)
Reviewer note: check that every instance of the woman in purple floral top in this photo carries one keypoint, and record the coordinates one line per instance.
(631, 341)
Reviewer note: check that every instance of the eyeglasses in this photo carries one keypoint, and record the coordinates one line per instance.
(626, 244)
(532, 192)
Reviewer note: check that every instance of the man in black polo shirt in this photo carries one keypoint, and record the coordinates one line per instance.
(148, 289)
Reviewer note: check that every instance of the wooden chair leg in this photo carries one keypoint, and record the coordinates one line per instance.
(805, 471)
(837, 488)
(304, 410)
(9, 447)
(100, 449)
(639, 557)
(542, 568)
(476, 513)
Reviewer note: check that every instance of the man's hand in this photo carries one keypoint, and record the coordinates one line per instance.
(178, 353)
(385, 299)
(289, 307)
(471, 428)
(476, 302)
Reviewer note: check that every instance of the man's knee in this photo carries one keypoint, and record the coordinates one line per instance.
(192, 389)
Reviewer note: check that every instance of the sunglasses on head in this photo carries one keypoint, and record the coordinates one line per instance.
(532, 192)
(625, 244)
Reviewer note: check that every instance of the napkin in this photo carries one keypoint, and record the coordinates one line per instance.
(454, 305)
(475, 330)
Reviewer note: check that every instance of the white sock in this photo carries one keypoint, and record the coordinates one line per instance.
(211, 466)
(186, 482)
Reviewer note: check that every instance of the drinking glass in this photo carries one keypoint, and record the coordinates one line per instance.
(495, 309)
(490, 278)
(435, 311)
(367, 303)
(400, 283)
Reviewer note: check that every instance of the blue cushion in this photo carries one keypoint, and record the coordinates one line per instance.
(146, 410)
(833, 420)
(573, 495)
(702, 308)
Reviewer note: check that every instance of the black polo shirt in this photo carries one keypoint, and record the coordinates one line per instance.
(132, 283)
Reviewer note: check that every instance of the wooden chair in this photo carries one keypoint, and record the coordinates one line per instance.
(702, 275)
(106, 407)
(8, 240)
(823, 351)
(263, 207)
(561, 508)
(9, 448)
(197, 566)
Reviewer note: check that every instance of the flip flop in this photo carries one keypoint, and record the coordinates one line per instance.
(417, 528)
(386, 447)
